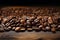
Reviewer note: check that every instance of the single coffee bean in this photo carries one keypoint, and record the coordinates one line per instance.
(53, 30)
(48, 28)
(10, 27)
(40, 27)
(53, 25)
(58, 28)
(43, 29)
(17, 29)
(50, 21)
(1, 28)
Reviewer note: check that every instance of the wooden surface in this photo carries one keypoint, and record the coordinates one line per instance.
(29, 36)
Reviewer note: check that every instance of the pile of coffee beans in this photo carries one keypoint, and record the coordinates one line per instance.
(29, 19)
(29, 23)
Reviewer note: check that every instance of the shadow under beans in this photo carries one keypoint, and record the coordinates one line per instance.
(8, 38)
(39, 39)
(57, 39)
(48, 38)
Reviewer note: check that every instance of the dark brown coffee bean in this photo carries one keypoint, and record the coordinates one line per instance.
(13, 28)
(28, 22)
(1, 28)
(7, 24)
(35, 28)
(22, 29)
(58, 27)
(5, 20)
(50, 21)
(48, 28)
(10, 27)
(45, 23)
(17, 29)
(36, 21)
(40, 27)
(6, 29)
(43, 29)
(29, 29)
(53, 30)
(53, 25)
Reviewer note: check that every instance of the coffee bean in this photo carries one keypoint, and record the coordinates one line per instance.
(13, 28)
(1, 28)
(50, 21)
(53, 30)
(48, 28)
(17, 29)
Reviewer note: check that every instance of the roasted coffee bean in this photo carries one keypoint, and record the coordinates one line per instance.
(28, 22)
(22, 29)
(39, 17)
(1, 28)
(55, 20)
(48, 28)
(24, 17)
(53, 30)
(17, 24)
(45, 18)
(0, 20)
(36, 20)
(37, 24)
(13, 28)
(12, 21)
(22, 21)
(40, 26)
(29, 29)
(35, 28)
(45, 23)
(10, 27)
(32, 18)
(43, 29)
(13, 17)
(17, 21)
(54, 25)
(21, 25)
(7, 24)
(58, 27)
(33, 23)
(50, 21)
(58, 20)
(27, 17)
(17, 29)
(6, 29)
(5, 20)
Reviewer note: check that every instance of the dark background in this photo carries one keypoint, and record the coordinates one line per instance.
(29, 3)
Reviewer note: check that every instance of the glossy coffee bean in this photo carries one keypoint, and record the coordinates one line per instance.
(53, 25)
(53, 30)
(10, 27)
(58, 27)
(22, 29)
(48, 28)
(17, 29)
(13, 28)
(50, 21)
(29, 29)
(43, 29)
